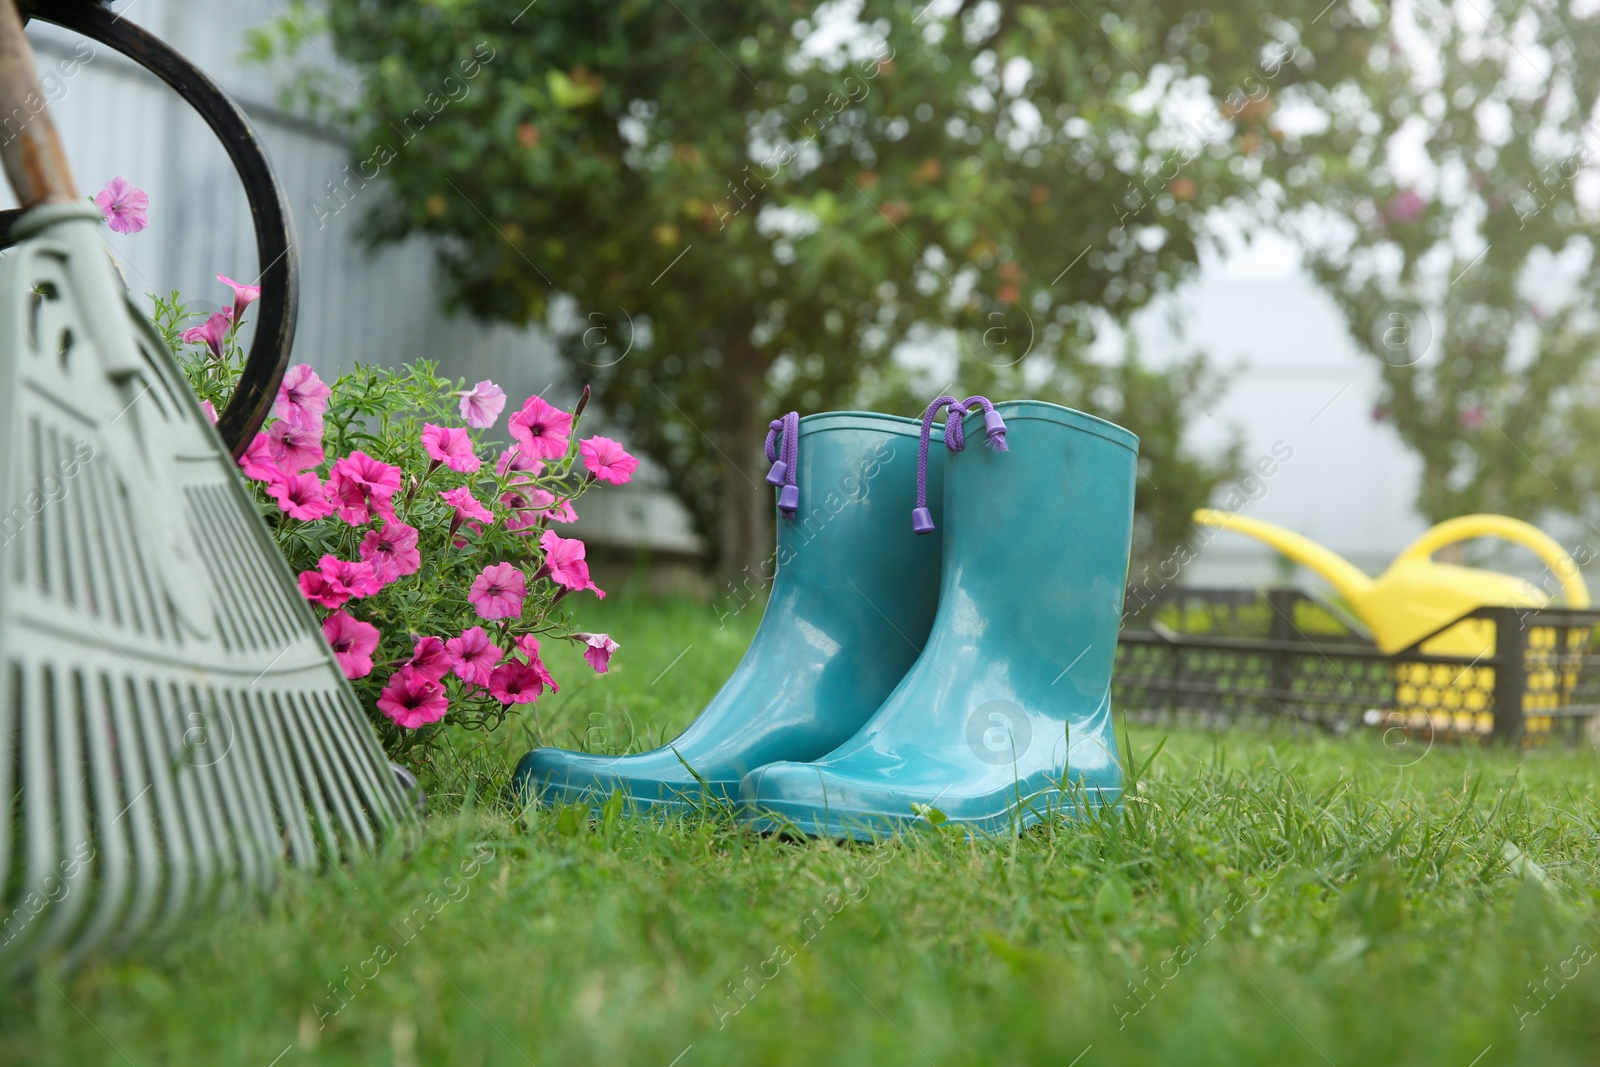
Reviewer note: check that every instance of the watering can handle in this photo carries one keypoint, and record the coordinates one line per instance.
(33, 159)
(1505, 528)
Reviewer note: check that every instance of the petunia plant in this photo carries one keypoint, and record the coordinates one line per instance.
(432, 556)
(126, 208)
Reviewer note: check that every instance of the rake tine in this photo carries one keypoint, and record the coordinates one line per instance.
(175, 727)
(137, 810)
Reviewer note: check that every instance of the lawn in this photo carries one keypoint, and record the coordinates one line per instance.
(1263, 899)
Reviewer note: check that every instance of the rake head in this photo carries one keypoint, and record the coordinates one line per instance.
(173, 725)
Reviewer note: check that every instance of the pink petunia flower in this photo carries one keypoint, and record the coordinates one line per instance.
(125, 206)
(498, 592)
(212, 334)
(467, 506)
(559, 510)
(302, 496)
(411, 699)
(336, 581)
(353, 643)
(1407, 206)
(323, 591)
(430, 659)
(257, 462)
(474, 655)
(512, 459)
(541, 431)
(392, 551)
(543, 503)
(362, 486)
(360, 578)
(302, 396)
(450, 445)
(563, 557)
(515, 683)
(528, 645)
(607, 460)
(243, 295)
(294, 447)
(481, 405)
(523, 523)
(598, 650)
(211, 411)
(543, 674)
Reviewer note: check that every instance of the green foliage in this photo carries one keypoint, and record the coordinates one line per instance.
(734, 214)
(381, 412)
(1445, 208)
(308, 85)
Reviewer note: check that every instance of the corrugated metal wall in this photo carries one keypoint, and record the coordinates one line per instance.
(355, 305)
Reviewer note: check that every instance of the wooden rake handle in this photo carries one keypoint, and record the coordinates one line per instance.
(32, 155)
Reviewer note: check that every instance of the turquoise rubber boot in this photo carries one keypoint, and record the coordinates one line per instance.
(851, 604)
(1011, 697)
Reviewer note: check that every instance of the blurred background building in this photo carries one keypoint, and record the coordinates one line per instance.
(1296, 378)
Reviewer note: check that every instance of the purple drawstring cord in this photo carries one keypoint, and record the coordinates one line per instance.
(955, 440)
(921, 518)
(994, 427)
(784, 465)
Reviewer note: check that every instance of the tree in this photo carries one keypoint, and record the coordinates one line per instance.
(1449, 209)
(750, 205)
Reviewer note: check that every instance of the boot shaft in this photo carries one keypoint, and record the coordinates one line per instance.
(846, 540)
(1036, 540)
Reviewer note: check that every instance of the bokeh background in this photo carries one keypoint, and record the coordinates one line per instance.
(1464, 121)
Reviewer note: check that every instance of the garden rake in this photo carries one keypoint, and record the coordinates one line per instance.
(173, 726)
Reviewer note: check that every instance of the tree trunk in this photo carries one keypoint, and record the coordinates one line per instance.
(747, 499)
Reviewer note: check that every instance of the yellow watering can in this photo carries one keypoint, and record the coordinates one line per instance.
(1416, 596)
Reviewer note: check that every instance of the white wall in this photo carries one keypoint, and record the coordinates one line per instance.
(1297, 378)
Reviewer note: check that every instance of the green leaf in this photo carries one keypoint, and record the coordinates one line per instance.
(1113, 899)
(572, 820)
(568, 93)
(1376, 901)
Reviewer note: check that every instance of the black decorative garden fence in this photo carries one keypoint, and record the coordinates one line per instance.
(1217, 657)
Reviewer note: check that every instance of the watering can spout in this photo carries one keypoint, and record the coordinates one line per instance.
(1416, 598)
(1350, 581)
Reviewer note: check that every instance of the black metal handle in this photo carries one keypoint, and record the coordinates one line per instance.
(279, 268)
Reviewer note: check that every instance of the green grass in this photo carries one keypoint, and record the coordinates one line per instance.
(1274, 899)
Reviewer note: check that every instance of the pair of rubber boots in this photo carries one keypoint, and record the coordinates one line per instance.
(957, 672)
